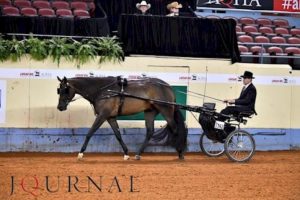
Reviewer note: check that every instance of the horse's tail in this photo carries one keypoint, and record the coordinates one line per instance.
(178, 139)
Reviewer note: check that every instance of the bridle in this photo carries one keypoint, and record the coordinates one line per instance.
(65, 91)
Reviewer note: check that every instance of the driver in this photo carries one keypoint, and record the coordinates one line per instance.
(246, 101)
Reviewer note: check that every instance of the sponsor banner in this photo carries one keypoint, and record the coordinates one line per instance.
(53, 73)
(170, 77)
(287, 5)
(237, 4)
(2, 101)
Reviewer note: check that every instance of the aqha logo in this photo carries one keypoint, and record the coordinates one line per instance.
(233, 3)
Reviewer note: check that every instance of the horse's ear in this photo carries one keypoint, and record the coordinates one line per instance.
(58, 79)
(65, 79)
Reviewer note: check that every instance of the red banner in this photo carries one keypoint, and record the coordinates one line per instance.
(275, 5)
(287, 5)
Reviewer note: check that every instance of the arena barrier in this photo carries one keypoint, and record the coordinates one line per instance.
(29, 120)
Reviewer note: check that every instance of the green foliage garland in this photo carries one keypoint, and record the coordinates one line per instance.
(108, 49)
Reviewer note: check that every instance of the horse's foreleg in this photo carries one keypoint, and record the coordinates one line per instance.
(97, 123)
(114, 125)
(149, 119)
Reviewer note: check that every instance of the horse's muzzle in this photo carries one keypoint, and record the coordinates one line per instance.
(61, 108)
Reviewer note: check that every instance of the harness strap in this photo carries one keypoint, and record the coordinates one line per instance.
(122, 99)
(122, 82)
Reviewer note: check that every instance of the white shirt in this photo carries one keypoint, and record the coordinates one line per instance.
(245, 86)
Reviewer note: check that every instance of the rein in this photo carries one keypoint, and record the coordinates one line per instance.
(102, 88)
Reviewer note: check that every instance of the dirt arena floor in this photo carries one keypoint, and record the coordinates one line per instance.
(269, 175)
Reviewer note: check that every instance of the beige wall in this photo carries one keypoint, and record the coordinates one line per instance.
(32, 102)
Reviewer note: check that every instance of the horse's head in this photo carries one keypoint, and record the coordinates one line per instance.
(66, 94)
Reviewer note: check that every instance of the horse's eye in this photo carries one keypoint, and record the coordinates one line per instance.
(67, 90)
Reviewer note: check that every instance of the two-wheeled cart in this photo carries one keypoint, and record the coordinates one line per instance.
(221, 133)
(225, 135)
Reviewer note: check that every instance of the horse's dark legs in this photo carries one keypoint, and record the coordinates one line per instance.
(97, 123)
(149, 119)
(169, 117)
(114, 125)
(174, 129)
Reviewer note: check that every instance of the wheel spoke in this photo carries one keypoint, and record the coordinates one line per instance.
(211, 147)
(239, 146)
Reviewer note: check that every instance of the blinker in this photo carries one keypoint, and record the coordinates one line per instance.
(63, 90)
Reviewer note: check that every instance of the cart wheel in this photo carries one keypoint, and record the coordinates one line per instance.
(239, 146)
(211, 148)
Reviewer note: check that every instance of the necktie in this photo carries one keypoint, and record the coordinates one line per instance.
(244, 88)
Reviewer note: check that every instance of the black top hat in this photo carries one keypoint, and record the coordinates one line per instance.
(248, 74)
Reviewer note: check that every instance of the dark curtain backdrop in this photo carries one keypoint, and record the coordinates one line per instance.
(179, 36)
(114, 8)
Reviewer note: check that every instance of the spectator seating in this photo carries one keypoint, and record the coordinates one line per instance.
(281, 22)
(79, 5)
(294, 40)
(278, 39)
(266, 30)
(48, 8)
(10, 11)
(245, 38)
(264, 22)
(275, 50)
(81, 14)
(243, 49)
(46, 12)
(247, 21)
(60, 5)
(22, 3)
(295, 32)
(28, 11)
(251, 30)
(272, 37)
(257, 50)
(41, 4)
(64, 13)
(5, 3)
(282, 31)
(262, 39)
(292, 51)
(238, 29)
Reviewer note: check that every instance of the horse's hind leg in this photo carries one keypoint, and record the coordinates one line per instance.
(149, 119)
(97, 123)
(114, 125)
(168, 114)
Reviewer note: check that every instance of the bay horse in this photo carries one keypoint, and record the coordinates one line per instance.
(108, 106)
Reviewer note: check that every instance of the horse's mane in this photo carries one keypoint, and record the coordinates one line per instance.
(91, 86)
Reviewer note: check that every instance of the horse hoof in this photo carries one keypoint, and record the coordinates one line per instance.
(181, 157)
(126, 157)
(80, 156)
(138, 157)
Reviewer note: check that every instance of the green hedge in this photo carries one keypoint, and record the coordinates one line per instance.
(107, 48)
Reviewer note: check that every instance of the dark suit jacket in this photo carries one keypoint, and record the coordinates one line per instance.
(247, 98)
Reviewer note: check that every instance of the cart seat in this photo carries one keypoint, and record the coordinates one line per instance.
(247, 114)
